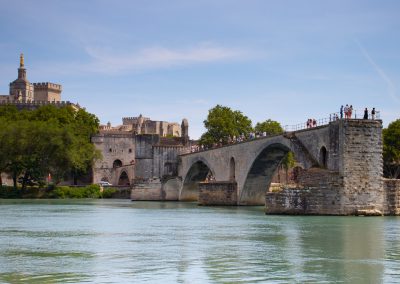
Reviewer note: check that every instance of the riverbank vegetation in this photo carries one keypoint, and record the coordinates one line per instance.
(391, 150)
(60, 192)
(46, 144)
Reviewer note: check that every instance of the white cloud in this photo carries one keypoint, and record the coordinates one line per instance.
(158, 57)
(389, 83)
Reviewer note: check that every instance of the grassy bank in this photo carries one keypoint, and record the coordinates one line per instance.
(90, 191)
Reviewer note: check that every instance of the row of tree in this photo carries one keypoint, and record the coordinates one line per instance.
(223, 123)
(391, 150)
(46, 142)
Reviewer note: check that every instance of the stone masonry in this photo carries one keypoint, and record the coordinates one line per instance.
(357, 188)
(218, 193)
(342, 171)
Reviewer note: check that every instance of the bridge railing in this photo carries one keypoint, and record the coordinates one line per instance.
(326, 120)
(296, 127)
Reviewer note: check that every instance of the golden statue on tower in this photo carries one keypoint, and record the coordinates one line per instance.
(21, 60)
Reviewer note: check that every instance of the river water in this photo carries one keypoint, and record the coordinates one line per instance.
(119, 241)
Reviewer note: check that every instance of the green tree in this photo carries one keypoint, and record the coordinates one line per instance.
(47, 140)
(269, 126)
(223, 123)
(391, 150)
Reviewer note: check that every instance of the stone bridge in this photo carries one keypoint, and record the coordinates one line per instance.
(348, 152)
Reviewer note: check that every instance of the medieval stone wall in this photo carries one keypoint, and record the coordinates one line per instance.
(144, 155)
(355, 188)
(113, 147)
(217, 193)
(155, 190)
(392, 196)
(165, 162)
(47, 92)
(318, 191)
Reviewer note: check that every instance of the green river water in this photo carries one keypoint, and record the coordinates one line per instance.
(119, 241)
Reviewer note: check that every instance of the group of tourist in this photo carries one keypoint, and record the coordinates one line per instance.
(311, 122)
(231, 140)
(347, 110)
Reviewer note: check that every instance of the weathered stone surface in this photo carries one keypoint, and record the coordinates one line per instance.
(149, 191)
(256, 161)
(392, 196)
(319, 192)
(342, 173)
(218, 193)
(156, 190)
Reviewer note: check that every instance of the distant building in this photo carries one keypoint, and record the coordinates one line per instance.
(144, 125)
(139, 150)
(32, 95)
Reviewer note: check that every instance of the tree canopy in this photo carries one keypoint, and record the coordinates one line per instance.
(391, 150)
(270, 127)
(223, 123)
(45, 141)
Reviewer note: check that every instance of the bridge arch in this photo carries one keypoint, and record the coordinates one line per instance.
(123, 179)
(198, 172)
(259, 176)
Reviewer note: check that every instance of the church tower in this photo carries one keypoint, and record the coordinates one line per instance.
(20, 89)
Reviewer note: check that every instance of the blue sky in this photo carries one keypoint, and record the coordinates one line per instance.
(168, 60)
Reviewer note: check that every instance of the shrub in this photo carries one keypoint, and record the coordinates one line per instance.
(90, 191)
(108, 192)
(10, 192)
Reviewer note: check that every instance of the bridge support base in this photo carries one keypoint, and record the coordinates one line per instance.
(218, 193)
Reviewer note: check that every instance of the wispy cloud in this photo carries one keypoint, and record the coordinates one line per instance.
(389, 83)
(158, 57)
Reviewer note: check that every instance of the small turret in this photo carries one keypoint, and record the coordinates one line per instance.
(21, 69)
(185, 131)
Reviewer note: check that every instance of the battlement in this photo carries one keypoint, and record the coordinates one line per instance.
(134, 119)
(36, 104)
(47, 85)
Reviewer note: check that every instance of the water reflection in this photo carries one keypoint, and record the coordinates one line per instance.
(118, 241)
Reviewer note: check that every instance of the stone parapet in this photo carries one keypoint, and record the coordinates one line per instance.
(47, 85)
(218, 193)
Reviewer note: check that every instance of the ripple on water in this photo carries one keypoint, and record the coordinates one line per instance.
(123, 242)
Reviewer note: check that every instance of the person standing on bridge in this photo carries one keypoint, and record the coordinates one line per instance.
(373, 113)
(346, 111)
(366, 113)
(341, 112)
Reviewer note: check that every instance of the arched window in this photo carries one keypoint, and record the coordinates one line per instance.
(117, 164)
(232, 175)
(323, 157)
